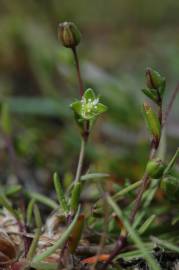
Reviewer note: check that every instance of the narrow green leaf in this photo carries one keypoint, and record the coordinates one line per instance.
(30, 211)
(75, 196)
(135, 254)
(145, 226)
(35, 240)
(152, 121)
(94, 176)
(134, 236)
(126, 190)
(60, 193)
(42, 199)
(58, 243)
(38, 220)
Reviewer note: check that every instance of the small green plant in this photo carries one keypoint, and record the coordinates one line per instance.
(61, 241)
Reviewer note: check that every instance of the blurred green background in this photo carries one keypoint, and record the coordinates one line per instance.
(38, 82)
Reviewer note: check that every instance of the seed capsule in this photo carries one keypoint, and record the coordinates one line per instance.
(69, 34)
(155, 168)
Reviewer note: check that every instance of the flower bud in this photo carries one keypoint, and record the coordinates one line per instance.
(153, 79)
(69, 34)
(155, 168)
(170, 186)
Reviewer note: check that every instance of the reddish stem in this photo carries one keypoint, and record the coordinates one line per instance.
(78, 71)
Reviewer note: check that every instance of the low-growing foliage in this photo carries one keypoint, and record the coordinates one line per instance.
(118, 222)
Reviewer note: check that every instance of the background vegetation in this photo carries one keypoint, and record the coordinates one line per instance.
(37, 80)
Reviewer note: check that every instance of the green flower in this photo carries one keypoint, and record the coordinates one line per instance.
(89, 106)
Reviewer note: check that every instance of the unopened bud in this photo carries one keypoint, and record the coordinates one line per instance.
(153, 79)
(69, 34)
(155, 168)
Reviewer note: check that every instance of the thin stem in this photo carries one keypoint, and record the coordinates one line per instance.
(169, 107)
(78, 71)
(145, 182)
(80, 161)
(160, 113)
(121, 243)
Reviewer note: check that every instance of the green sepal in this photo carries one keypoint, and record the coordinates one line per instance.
(76, 107)
(89, 94)
(101, 108)
(155, 168)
